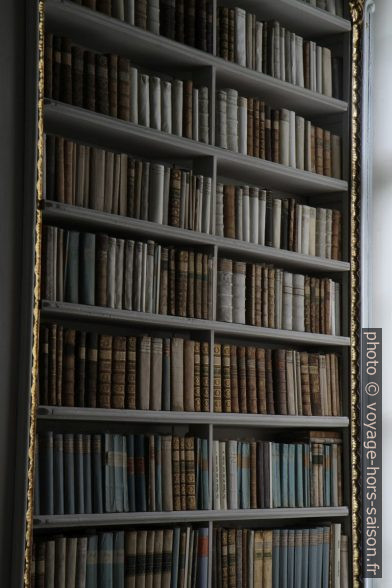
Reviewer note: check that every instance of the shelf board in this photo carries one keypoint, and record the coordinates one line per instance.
(68, 311)
(107, 34)
(84, 218)
(91, 127)
(49, 522)
(301, 18)
(112, 415)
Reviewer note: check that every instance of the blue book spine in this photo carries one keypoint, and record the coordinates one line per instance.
(198, 472)
(140, 476)
(275, 557)
(305, 557)
(239, 470)
(92, 562)
(131, 472)
(283, 558)
(79, 478)
(202, 558)
(299, 475)
(298, 559)
(278, 487)
(175, 557)
(46, 469)
(58, 474)
(284, 473)
(88, 504)
(306, 450)
(124, 473)
(118, 474)
(313, 537)
(110, 505)
(105, 560)
(325, 566)
(320, 539)
(327, 475)
(118, 560)
(158, 473)
(245, 475)
(275, 488)
(292, 502)
(290, 558)
(204, 474)
(97, 473)
(69, 486)
(71, 285)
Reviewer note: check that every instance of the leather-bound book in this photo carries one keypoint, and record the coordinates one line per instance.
(104, 6)
(308, 305)
(68, 172)
(77, 76)
(180, 21)
(226, 379)
(327, 158)
(153, 16)
(232, 34)
(176, 473)
(201, 25)
(239, 291)
(270, 383)
(141, 14)
(177, 374)
(123, 88)
(336, 234)
(190, 22)
(315, 305)
(91, 369)
(319, 143)
(261, 381)
(271, 297)
(172, 282)
(251, 379)
(265, 295)
(190, 473)
(48, 65)
(56, 75)
(66, 71)
(298, 302)
(118, 375)
(229, 211)
(251, 293)
(168, 18)
(242, 380)
(235, 406)
(191, 285)
(89, 94)
(175, 197)
(305, 384)
(182, 283)
(164, 281)
(217, 378)
(104, 371)
(102, 84)
(80, 368)
(279, 356)
(143, 375)
(336, 156)
(205, 376)
(188, 111)
(56, 359)
(198, 285)
(223, 24)
(261, 131)
(256, 128)
(275, 132)
(210, 26)
(196, 376)
(113, 84)
(130, 374)
(258, 295)
(252, 103)
(189, 375)
(68, 391)
(314, 384)
(225, 290)
(268, 134)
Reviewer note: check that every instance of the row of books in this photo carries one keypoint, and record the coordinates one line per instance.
(110, 85)
(276, 381)
(254, 215)
(112, 182)
(251, 127)
(266, 296)
(270, 48)
(79, 368)
(266, 474)
(169, 557)
(118, 273)
(314, 557)
(83, 474)
(332, 6)
(188, 22)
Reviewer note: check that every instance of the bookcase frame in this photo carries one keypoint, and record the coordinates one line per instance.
(70, 19)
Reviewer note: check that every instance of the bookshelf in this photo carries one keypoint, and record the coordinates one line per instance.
(102, 33)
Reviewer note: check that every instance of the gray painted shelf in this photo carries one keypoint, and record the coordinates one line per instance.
(66, 310)
(107, 34)
(68, 215)
(49, 522)
(266, 421)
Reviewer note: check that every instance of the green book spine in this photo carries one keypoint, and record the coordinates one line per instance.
(81, 562)
(299, 475)
(69, 487)
(105, 560)
(58, 475)
(306, 451)
(276, 558)
(131, 472)
(80, 368)
(124, 473)
(118, 560)
(79, 483)
(291, 475)
(290, 558)
(97, 496)
(110, 505)
(118, 474)
(92, 561)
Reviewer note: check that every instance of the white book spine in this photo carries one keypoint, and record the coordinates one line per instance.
(232, 120)
(225, 290)
(262, 210)
(282, 54)
(293, 139)
(299, 61)
(177, 106)
(166, 106)
(242, 125)
(254, 215)
(240, 36)
(259, 46)
(293, 44)
(245, 214)
(221, 107)
(287, 311)
(239, 277)
(155, 103)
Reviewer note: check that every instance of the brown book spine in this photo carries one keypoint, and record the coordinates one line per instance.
(268, 134)
(319, 136)
(251, 379)
(261, 381)
(197, 377)
(205, 376)
(262, 130)
(89, 100)
(217, 378)
(223, 24)
(190, 473)
(275, 136)
(48, 66)
(327, 169)
(190, 22)
(77, 76)
(91, 369)
(201, 24)
(226, 381)
(104, 6)
(250, 294)
(59, 365)
(180, 24)
(182, 283)
(189, 375)
(66, 71)
(130, 387)
(336, 234)
(269, 382)
(104, 370)
(251, 105)
(176, 473)
(314, 384)
(258, 296)
(141, 14)
(199, 285)
(229, 211)
(172, 282)
(321, 315)
(123, 90)
(280, 374)
(113, 84)
(191, 285)
(68, 395)
(188, 96)
(256, 126)
(271, 297)
(119, 360)
(102, 84)
(182, 474)
(175, 197)
(242, 373)
(164, 281)
(308, 306)
(235, 405)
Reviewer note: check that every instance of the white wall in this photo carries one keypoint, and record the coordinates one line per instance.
(382, 253)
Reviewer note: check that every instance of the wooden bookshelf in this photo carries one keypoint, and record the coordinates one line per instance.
(103, 33)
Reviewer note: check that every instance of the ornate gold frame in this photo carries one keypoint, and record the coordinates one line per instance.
(357, 15)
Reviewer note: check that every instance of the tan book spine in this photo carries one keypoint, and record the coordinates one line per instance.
(196, 377)
(305, 384)
(271, 297)
(176, 473)
(189, 375)
(217, 378)
(118, 384)
(130, 388)
(251, 379)
(226, 379)
(190, 473)
(104, 370)
(242, 383)
(319, 137)
(205, 376)
(182, 474)
(258, 558)
(188, 92)
(267, 558)
(235, 407)
(327, 156)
